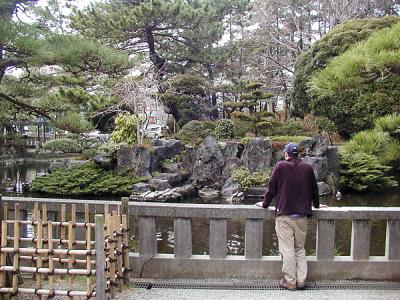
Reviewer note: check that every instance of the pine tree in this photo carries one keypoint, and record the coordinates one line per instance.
(55, 75)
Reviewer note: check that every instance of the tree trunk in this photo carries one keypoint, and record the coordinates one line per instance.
(158, 61)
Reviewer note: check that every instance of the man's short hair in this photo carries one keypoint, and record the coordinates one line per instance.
(291, 149)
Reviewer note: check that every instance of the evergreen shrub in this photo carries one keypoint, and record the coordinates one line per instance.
(87, 179)
(248, 179)
(225, 129)
(62, 145)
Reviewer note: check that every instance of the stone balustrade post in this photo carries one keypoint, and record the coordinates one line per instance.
(182, 237)
(218, 244)
(325, 239)
(360, 239)
(393, 240)
(253, 238)
(147, 236)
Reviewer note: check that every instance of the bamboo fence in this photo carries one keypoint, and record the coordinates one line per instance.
(104, 261)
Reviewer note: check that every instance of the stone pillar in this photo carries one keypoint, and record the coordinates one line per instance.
(325, 239)
(182, 238)
(218, 234)
(147, 236)
(253, 238)
(360, 239)
(392, 249)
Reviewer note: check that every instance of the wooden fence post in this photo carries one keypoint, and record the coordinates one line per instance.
(100, 258)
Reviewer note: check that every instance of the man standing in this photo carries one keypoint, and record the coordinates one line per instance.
(294, 185)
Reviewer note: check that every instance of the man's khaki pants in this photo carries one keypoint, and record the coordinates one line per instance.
(292, 238)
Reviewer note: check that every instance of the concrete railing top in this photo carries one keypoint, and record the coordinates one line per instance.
(185, 210)
(178, 210)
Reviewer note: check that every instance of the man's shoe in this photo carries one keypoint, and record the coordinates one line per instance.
(301, 285)
(283, 284)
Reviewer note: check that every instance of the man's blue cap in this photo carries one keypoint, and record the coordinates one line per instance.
(292, 149)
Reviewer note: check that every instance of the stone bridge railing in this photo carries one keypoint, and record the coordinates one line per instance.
(148, 263)
(324, 265)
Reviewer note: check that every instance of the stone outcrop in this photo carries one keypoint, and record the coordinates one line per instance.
(172, 178)
(208, 165)
(257, 154)
(230, 187)
(167, 195)
(140, 187)
(208, 194)
(315, 146)
(319, 166)
(159, 184)
(135, 160)
(173, 147)
(104, 162)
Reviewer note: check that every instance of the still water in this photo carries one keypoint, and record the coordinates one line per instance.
(12, 178)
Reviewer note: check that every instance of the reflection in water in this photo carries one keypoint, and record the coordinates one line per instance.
(14, 177)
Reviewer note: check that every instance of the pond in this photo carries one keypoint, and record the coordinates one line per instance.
(12, 178)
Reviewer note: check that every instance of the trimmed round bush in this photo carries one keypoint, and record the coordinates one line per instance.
(225, 129)
(62, 145)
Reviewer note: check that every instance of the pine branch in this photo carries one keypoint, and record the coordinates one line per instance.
(33, 109)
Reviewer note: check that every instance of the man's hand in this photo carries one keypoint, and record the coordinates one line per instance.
(323, 206)
(260, 204)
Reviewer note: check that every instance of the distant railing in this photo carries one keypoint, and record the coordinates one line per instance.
(149, 263)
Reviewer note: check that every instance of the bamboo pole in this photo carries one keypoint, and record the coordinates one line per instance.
(3, 255)
(88, 260)
(57, 260)
(58, 241)
(47, 270)
(100, 258)
(117, 236)
(62, 224)
(125, 247)
(112, 243)
(62, 230)
(50, 257)
(44, 232)
(46, 251)
(49, 292)
(39, 281)
(16, 254)
(70, 256)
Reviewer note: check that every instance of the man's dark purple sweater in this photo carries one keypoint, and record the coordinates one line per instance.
(294, 185)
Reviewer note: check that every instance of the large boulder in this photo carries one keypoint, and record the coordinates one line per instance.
(172, 178)
(333, 161)
(140, 187)
(65, 164)
(135, 160)
(208, 194)
(257, 154)
(187, 162)
(231, 164)
(170, 167)
(159, 184)
(173, 147)
(104, 162)
(230, 187)
(324, 189)
(160, 152)
(186, 190)
(208, 165)
(154, 163)
(319, 166)
(231, 149)
(315, 146)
